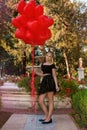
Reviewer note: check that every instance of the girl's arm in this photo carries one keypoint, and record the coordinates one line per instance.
(39, 72)
(55, 78)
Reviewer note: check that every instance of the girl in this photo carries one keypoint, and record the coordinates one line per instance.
(48, 87)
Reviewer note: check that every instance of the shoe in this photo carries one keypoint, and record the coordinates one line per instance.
(47, 122)
(41, 120)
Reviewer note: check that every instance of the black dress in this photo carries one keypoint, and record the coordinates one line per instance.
(47, 83)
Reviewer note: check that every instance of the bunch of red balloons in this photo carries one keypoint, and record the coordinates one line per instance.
(31, 23)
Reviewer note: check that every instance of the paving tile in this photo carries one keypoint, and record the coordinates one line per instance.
(31, 122)
(11, 128)
(15, 122)
(64, 122)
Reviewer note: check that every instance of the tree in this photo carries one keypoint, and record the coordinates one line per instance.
(69, 30)
(69, 27)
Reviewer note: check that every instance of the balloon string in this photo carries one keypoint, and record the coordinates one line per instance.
(33, 91)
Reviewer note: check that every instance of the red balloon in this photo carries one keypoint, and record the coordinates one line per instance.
(40, 42)
(45, 22)
(29, 9)
(33, 3)
(27, 41)
(22, 19)
(21, 6)
(29, 36)
(46, 34)
(33, 26)
(19, 34)
(50, 21)
(16, 23)
(39, 11)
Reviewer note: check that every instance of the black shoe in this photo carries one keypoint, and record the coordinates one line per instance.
(41, 120)
(47, 122)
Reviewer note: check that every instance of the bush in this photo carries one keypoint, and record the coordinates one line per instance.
(79, 103)
(70, 82)
(69, 86)
(25, 82)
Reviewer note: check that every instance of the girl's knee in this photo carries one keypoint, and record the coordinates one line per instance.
(40, 100)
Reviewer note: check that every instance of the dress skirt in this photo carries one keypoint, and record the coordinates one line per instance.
(47, 85)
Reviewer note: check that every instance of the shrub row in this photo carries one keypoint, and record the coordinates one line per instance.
(79, 103)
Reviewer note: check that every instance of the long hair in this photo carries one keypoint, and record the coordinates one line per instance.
(52, 56)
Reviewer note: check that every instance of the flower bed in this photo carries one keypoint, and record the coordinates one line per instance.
(69, 86)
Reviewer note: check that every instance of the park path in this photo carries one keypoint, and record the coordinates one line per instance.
(30, 122)
(25, 119)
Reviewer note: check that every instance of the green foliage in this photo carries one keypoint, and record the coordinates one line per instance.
(37, 83)
(25, 82)
(3, 53)
(69, 86)
(68, 17)
(70, 82)
(79, 103)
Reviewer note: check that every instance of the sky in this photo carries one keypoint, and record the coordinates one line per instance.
(80, 1)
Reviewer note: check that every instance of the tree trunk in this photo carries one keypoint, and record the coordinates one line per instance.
(67, 65)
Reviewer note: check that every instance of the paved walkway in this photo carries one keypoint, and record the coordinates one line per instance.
(30, 122)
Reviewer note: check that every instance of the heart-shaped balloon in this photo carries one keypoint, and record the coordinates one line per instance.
(31, 23)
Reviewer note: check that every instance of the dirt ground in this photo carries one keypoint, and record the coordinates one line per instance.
(4, 116)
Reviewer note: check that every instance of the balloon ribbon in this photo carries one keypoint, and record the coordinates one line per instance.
(33, 90)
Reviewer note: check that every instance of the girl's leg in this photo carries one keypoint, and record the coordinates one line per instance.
(50, 96)
(43, 105)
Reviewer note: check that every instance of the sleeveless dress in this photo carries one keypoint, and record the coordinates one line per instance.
(47, 84)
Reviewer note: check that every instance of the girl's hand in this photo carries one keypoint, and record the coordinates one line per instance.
(46, 74)
(57, 88)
